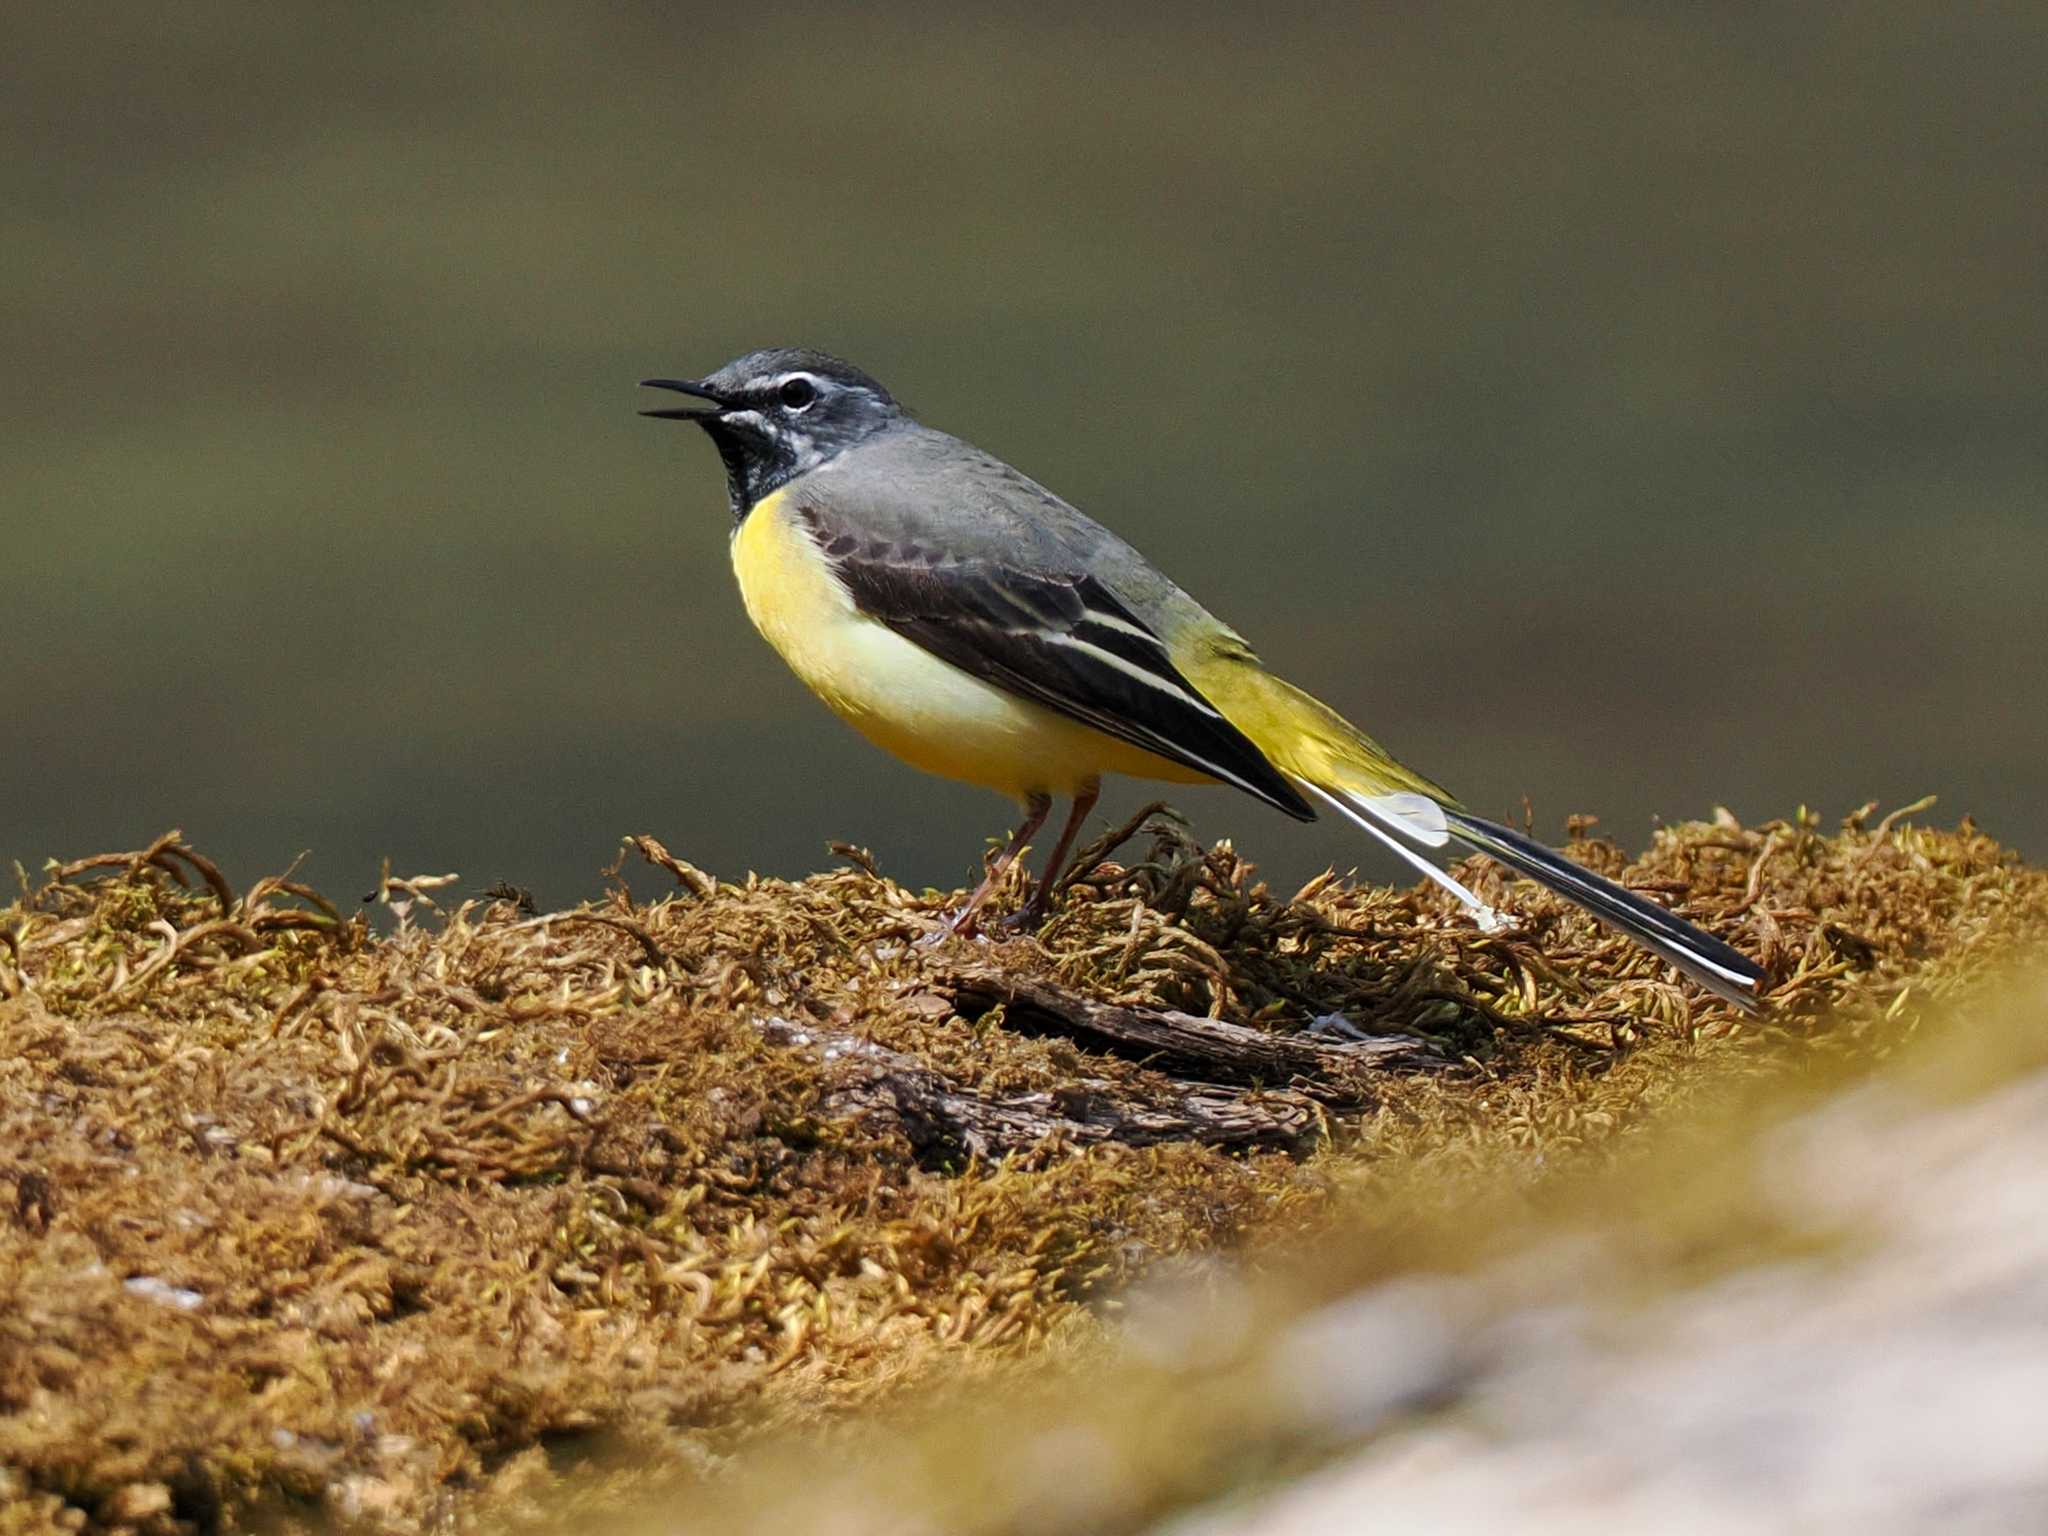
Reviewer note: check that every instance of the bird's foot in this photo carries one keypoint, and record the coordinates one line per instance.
(1028, 918)
(963, 924)
(943, 932)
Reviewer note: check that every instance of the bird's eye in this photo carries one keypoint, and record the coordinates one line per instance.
(797, 394)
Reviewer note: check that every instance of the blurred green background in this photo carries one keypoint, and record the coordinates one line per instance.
(1632, 408)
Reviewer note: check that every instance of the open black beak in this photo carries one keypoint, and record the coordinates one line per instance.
(683, 413)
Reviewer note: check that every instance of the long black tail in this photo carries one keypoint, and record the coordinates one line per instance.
(1708, 961)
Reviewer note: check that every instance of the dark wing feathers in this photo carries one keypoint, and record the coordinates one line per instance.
(1059, 639)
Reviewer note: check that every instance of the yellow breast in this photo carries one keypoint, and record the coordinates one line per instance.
(899, 695)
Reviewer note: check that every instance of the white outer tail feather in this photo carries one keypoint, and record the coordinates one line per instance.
(1707, 960)
(1419, 816)
(1382, 820)
(1712, 962)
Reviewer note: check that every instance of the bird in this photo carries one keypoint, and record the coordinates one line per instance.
(963, 617)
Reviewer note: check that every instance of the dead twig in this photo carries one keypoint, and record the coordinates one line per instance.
(1091, 857)
(687, 875)
(1183, 1043)
(1883, 829)
(649, 947)
(939, 1118)
(166, 853)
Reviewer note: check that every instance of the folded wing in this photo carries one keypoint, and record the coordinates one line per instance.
(1061, 639)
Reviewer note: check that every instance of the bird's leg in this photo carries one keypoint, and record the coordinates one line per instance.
(1040, 903)
(1036, 809)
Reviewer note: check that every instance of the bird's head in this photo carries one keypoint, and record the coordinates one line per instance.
(780, 413)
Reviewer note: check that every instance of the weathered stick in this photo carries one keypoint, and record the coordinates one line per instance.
(939, 1116)
(1184, 1044)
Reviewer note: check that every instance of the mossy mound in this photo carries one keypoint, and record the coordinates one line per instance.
(293, 1209)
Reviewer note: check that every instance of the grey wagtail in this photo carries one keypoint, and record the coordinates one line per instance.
(971, 622)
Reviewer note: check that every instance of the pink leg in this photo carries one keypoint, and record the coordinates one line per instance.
(1040, 904)
(1035, 812)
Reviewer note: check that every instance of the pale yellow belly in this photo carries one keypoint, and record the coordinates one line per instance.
(900, 696)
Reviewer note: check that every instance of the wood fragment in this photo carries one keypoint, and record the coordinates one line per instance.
(1184, 1044)
(940, 1118)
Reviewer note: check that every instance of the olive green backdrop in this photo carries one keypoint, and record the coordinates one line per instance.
(1629, 407)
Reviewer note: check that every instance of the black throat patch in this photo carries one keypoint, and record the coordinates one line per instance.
(758, 461)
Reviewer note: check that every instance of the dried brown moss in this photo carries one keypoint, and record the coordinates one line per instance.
(291, 1206)
(1751, 1311)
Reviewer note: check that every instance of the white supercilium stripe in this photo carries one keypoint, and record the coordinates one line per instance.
(1484, 915)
